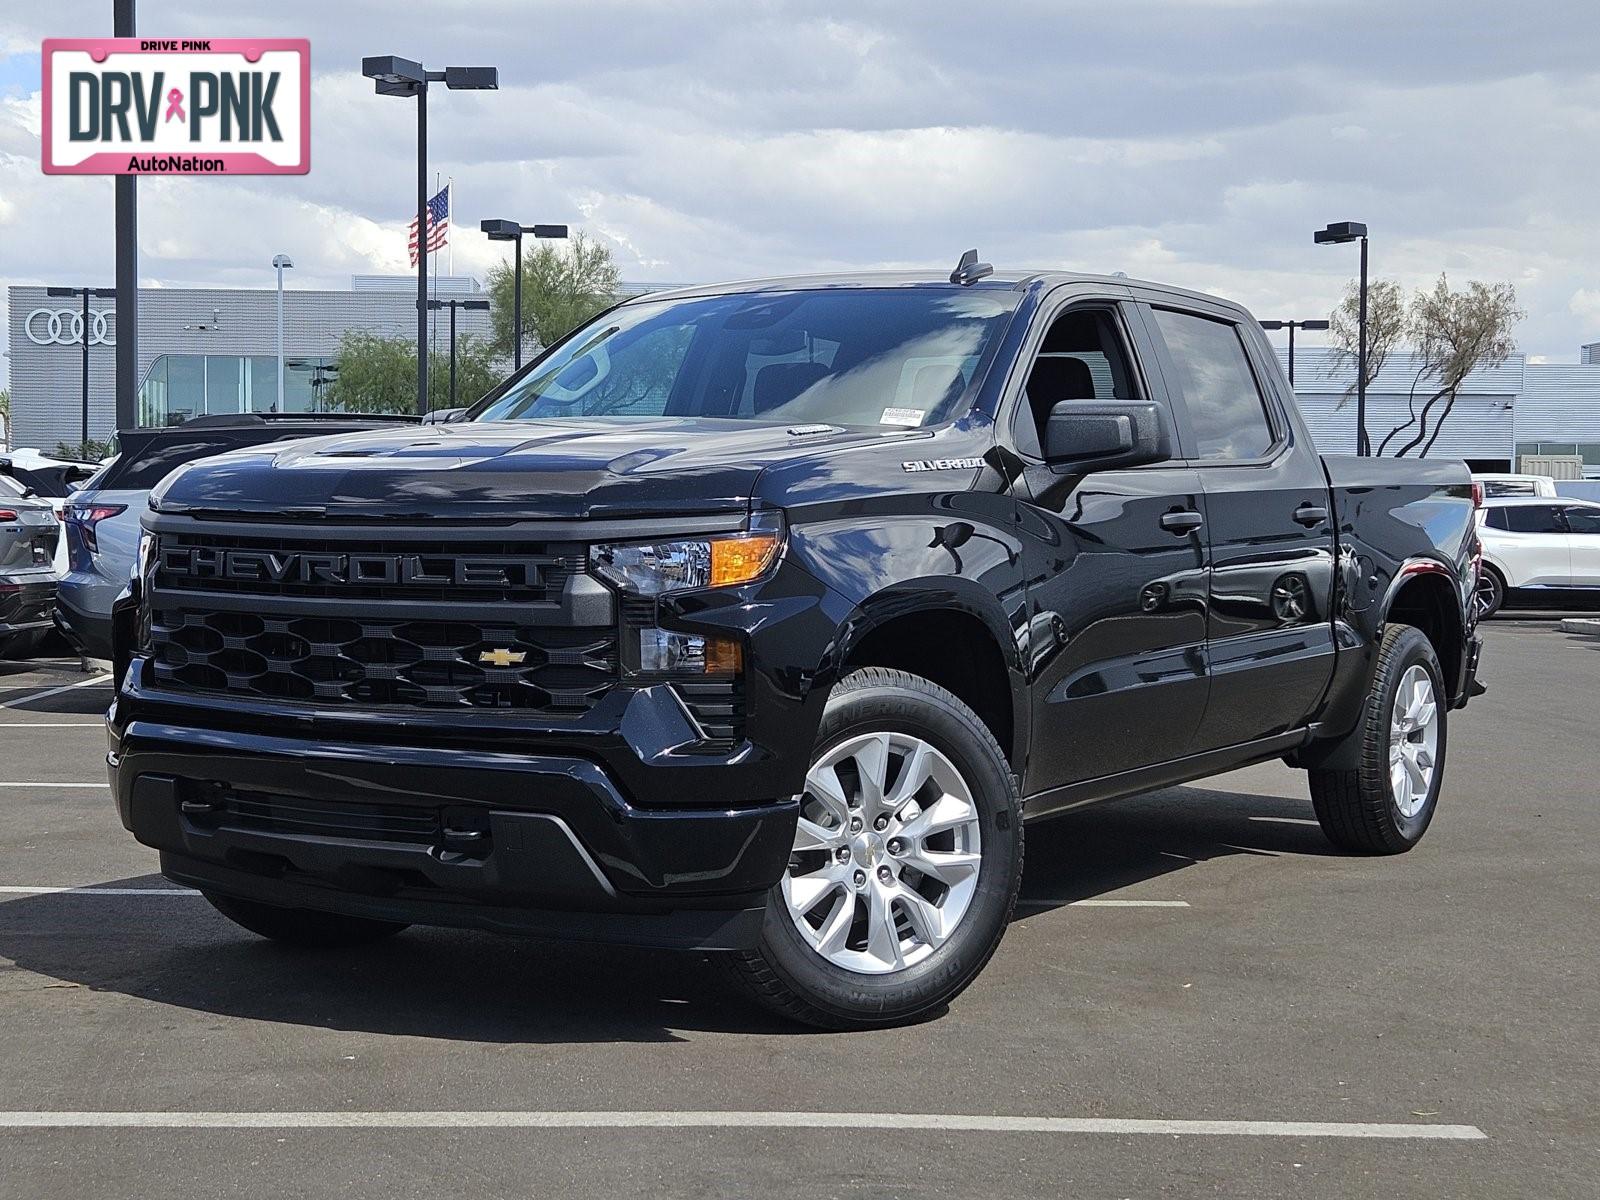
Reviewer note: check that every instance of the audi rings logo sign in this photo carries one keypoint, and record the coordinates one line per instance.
(64, 327)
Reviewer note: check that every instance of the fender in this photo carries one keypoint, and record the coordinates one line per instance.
(1357, 664)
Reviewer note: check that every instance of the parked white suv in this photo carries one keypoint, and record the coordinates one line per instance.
(1538, 552)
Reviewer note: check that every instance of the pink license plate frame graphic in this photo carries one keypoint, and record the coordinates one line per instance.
(231, 162)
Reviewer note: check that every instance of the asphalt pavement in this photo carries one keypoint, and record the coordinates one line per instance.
(1199, 997)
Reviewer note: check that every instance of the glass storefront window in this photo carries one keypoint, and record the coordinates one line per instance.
(179, 387)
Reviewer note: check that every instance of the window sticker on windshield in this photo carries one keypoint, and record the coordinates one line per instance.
(902, 416)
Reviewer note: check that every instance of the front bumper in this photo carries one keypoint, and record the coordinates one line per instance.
(510, 842)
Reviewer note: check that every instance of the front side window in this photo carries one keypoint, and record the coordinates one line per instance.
(1219, 389)
(1081, 358)
(891, 357)
(1583, 520)
(1534, 518)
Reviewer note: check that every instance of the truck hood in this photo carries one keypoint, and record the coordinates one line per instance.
(511, 470)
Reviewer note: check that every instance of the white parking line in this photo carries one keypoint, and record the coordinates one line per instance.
(898, 1122)
(95, 891)
(1102, 903)
(101, 786)
(92, 681)
(52, 724)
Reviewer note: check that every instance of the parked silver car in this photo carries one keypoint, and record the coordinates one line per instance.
(28, 534)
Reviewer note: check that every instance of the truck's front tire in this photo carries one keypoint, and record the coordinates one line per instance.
(906, 863)
(302, 926)
(1384, 804)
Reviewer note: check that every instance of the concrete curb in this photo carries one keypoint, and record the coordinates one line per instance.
(1585, 625)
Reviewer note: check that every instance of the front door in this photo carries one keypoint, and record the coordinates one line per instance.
(1583, 543)
(1269, 630)
(1116, 567)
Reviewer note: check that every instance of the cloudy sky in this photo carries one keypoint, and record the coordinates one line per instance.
(1192, 141)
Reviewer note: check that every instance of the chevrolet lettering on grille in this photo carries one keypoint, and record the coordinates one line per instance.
(269, 566)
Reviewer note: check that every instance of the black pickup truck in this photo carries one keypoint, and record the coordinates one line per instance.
(760, 619)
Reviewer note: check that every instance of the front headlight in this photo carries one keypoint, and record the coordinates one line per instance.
(725, 560)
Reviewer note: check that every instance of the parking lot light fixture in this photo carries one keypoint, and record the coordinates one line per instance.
(85, 292)
(1337, 234)
(1291, 326)
(501, 230)
(395, 76)
(452, 305)
(280, 261)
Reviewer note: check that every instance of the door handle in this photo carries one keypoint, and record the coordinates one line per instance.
(1182, 521)
(1310, 514)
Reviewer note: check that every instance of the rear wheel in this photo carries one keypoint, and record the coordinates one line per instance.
(1384, 805)
(302, 926)
(1491, 591)
(906, 862)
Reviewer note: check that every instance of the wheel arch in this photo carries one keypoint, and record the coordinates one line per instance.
(1424, 595)
(942, 631)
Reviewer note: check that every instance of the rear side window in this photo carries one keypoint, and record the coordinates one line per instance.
(1534, 518)
(1219, 389)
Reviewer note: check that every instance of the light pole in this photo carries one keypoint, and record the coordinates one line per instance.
(1291, 326)
(280, 261)
(393, 76)
(1333, 235)
(512, 231)
(452, 305)
(85, 292)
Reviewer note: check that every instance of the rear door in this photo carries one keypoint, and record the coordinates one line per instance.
(1269, 628)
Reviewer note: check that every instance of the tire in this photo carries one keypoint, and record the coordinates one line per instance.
(1361, 810)
(302, 926)
(936, 930)
(1491, 592)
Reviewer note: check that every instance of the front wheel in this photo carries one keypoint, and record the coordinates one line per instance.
(1384, 805)
(906, 862)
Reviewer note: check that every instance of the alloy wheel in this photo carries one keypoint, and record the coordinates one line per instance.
(1413, 741)
(886, 853)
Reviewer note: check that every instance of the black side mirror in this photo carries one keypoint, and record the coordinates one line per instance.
(1090, 435)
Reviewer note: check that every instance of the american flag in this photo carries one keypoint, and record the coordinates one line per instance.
(438, 224)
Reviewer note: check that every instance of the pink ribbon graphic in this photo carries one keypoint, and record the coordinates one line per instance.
(174, 106)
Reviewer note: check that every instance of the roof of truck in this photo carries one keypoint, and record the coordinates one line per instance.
(1000, 280)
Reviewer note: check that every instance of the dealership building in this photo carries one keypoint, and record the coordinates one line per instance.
(1502, 413)
(202, 350)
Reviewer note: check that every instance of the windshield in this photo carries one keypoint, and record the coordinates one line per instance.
(845, 356)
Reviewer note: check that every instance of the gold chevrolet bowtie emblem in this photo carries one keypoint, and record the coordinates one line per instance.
(501, 657)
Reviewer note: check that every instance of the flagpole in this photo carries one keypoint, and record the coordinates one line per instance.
(452, 186)
(433, 327)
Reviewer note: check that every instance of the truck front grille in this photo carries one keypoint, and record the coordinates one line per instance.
(375, 662)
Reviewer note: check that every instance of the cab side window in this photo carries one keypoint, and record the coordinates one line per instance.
(1224, 400)
(1082, 359)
